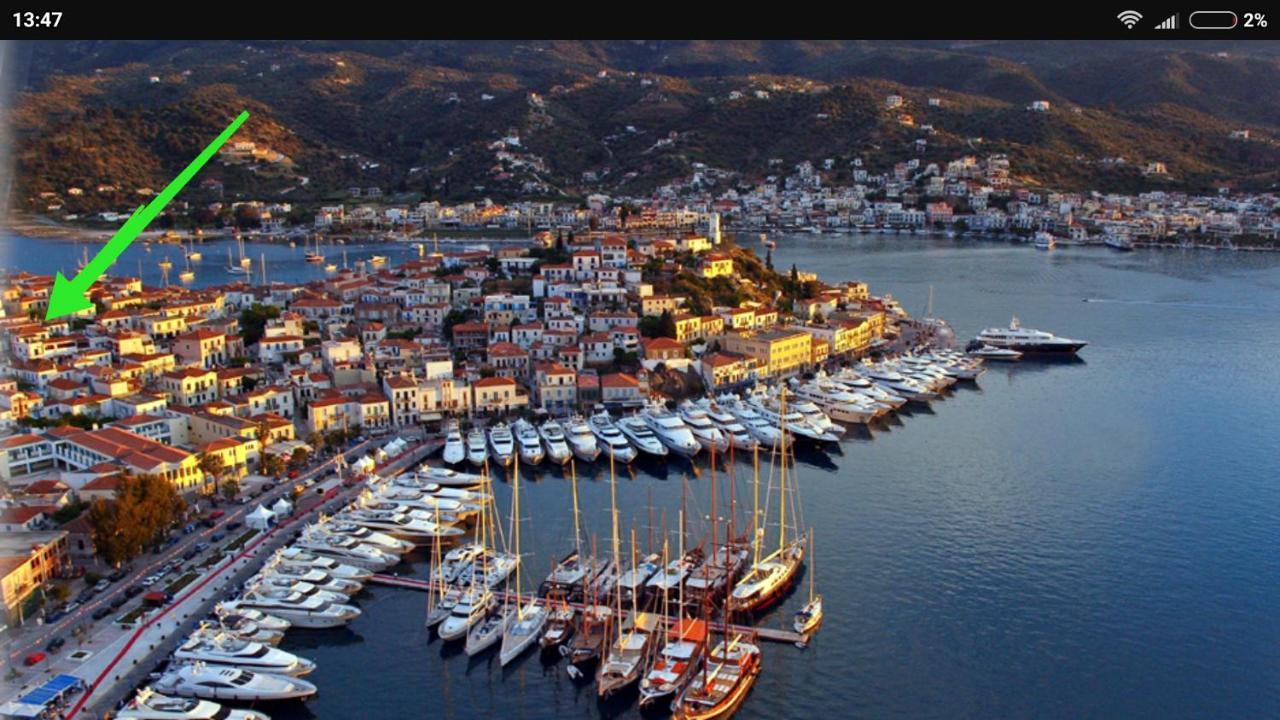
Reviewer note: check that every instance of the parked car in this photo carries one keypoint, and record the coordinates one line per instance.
(86, 596)
(202, 546)
(150, 580)
(133, 590)
(101, 612)
(33, 659)
(190, 554)
(234, 525)
(120, 574)
(102, 585)
(120, 600)
(55, 616)
(216, 537)
(55, 644)
(71, 607)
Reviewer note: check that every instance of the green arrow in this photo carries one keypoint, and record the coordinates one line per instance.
(67, 297)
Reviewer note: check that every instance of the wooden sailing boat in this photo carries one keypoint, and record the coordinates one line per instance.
(809, 617)
(521, 630)
(568, 576)
(589, 635)
(770, 577)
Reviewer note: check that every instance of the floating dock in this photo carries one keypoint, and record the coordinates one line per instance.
(771, 634)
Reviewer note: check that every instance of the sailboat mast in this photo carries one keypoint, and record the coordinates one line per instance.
(755, 512)
(782, 475)
(577, 532)
(515, 532)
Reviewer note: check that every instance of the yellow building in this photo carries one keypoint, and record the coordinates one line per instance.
(779, 352)
(688, 327)
(190, 386)
(27, 561)
(717, 265)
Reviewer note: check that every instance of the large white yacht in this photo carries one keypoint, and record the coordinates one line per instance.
(853, 382)
(488, 630)
(840, 404)
(229, 617)
(477, 450)
(447, 477)
(302, 611)
(898, 384)
(454, 561)
(704, 431)
(417, 501)
(502, 444)
(245, 629)
(768, 435)
(815, 415)
(402, 525)
(490, 569)
(557, 445)
(299, 558)
(608, 434)
(345, 550)
(528, 444)
(637, 431)
(362, 534)
(671, 430)
(795, 423)
(218, 682)
(150, 705)
(729, 426)
(581, 439)
(455, 448)
(284, 575)
(1028, 341)
(218, 648)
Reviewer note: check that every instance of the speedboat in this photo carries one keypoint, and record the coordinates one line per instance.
(528, 443)
(150, 705)
(502, 444)
(455, 448)
(471, 607)
(299, 558)
(628, 654)
(219, 682)
(997, 354)
(705, 431)
(608, 435)
(347, 551)
(671, 430)
(676, 664)
(301, 610)
(637, 431)
(477, 451)
(557, 446)
(218, 648)
(1028, 341)
(582, 440)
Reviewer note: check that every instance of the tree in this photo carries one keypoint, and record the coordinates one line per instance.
(263, 433)
(230, 488)
(253, 321)
(299, 457)
(60, 593)
(667, 325)
(272, 464)
(212, 467)
(145, 507)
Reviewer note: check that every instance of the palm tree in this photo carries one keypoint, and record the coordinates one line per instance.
(211, 466)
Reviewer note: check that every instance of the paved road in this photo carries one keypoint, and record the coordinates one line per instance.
(32, 637)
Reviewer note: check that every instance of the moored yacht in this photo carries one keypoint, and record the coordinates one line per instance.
(455, 448)
(229, 617)
(767, 435)
(995, 354)
(219, 682)
(627, 656)
(614, 443)
(705, 431)
(528, 443)
(553, 437)
(218, 648)
(670, 430)
(718, 690)
(150, 705)
(638, 434)
(299, 558)
(794, 422)
(471, 607)
(840, 404)
(283, 578)
(402, 525)
(582, 440)
(477, 451)
(503, 444)
(302, 611)
(346, 550)
(675, 665)
(362, 534)
(733, 431)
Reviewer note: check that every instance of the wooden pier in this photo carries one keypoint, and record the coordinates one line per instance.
(763, 633)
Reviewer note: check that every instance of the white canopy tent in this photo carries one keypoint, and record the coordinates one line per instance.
(260, 518)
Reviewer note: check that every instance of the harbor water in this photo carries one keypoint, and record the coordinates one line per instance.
(1089, 539)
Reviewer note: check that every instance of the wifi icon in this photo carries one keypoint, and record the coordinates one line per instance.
(1129, 18)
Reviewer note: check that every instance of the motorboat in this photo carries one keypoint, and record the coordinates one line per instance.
(676, 664)
(502, 444)
(362, 534)
(454, 561)
(557, 445)
(1028, 341)
(418, 502)
(582, 440)
(229, 617)
(312, 576)
(611, 438)
(440, 609)
(816, 416)
(299, 558)
(304, 612)
(768, 435)
(733, 431)
(219, 682)
(445, 477)
(245, 629)
(471, 607)
(528, 444)
(630, 651)
(638, 433)
(715, 693)
(995, 354)
(477, 450)
(704, 431)
(488, 629)
(490, 569)
(402, 525)
(218, 648)
(455, 448)
(794, 422)
(147, 704)
(671, 430)
(347, 550)
(840, 404)
(899, 385)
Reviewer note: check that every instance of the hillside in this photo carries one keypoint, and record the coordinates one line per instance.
(421, 118)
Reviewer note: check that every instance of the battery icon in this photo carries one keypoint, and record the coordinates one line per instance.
(1213, 20)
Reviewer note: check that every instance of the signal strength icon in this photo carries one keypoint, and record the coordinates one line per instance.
(1169, 23)
(1129, 18)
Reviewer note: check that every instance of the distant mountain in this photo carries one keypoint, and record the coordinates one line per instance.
(430, 117)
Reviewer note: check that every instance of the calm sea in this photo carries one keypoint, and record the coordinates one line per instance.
(1096, 539)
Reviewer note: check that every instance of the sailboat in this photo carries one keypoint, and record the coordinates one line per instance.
(809, 617)
(769, 577)
(718, 690)
(193, 254)
(525, 627)
(187, 275)
(234, 269)
(245, 261)
(633, 646)
(314, 256)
